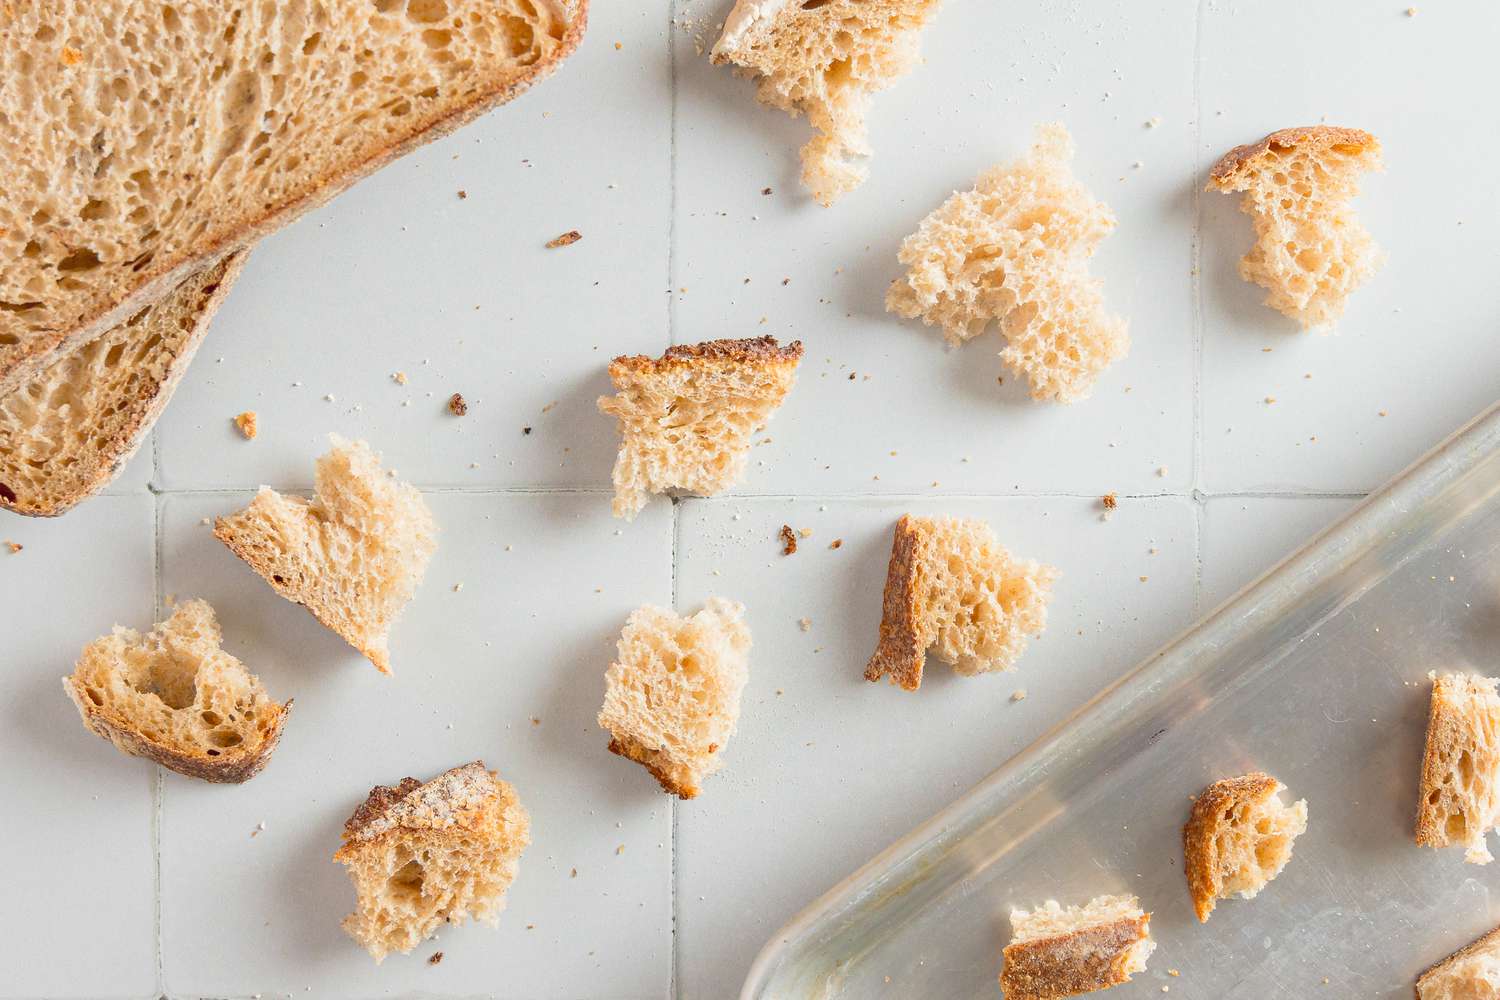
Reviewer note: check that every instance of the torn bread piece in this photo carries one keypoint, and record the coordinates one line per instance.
(1014, 251)
(175, 697)
(68, 431)
(672, 696)
(686, 418)
(1238, 838)
(953, 589)
(353, 555)
(1056, 952)
(426, 854)
(1471, 973)
(824, 59)
(1310, 249)
(1459, 802)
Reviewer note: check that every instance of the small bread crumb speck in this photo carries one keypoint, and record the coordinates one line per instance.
(247, 424)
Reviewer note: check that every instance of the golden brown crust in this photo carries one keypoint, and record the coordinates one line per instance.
(1065, 965)
(1445, 734)
(154, 396)
(1316, 136)
(632, 750)
(157, 281)
(901, 653)
(1490, 940)
(753, 351)
(232, 767)
(1211, 811)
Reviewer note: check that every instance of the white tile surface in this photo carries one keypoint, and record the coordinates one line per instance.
(77, 830)
(526, 638)
(1245, 536)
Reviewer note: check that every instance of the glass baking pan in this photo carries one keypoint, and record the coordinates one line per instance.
(1317, 673)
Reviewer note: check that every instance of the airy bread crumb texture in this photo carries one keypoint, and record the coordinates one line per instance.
(1471, 973)
(353, 555)
(141, 140)
(1238, 838)
(1310, 249)
(70, 429)
(1062, 952)
(953, 590)
(672, 695)
(686, 418)
(1014, 250)
(175, 697)
(425, 854)
(824, 58)
(1459, 799)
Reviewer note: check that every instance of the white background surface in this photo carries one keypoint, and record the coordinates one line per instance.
(126, 882)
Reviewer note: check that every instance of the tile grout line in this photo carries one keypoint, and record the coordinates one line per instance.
(1196, 285)
(673, 955)
(157, 784)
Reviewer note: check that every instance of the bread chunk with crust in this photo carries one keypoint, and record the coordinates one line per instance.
(176, 697)
(353, 555)
(672, 696)
(1059, 952)
(1459, 796)
(1471, 973)
(425, 854)
(954, 590)
(1310, 249)
(825, 59)
(1238, 838)
(686, 418)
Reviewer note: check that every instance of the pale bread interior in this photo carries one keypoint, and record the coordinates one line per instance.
(1256, 842)
(1464, 805)
(1471, 974)
(424, 855)
(672, 695)
(1051, 919)
(353, 554)
(1013, 251)
(824, 59)
(139, 136)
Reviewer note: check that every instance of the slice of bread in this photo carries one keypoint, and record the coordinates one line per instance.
(68, 432)
(1237, 838)
(1459, 796)
(175, 697)
(1014, 250)
(144, 140)
(1469, 973)
(1056, 952)
(686, 418)
(672, 696)
(952, 588)
(425, 854)
(824, 58)
(1310, 250)
(353, 555)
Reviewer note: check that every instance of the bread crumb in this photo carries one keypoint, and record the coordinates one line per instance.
(259, 829)
(399, 378)
(573, 873)
(1162, 472)
(1173, 972)
(1145, 578)
(837, 543)
(566, 239)
(330, 397)
(805, 532)
(13, 546)
(435, 958)
(457, 405)
(1383, 413)
(1410, 12)
(620, 849)
(805, 623)
(788, 540)
(765, 190)
(1018, 695)
(1110, 501)
(247, 423)
(536, 721)
(619, 46)
(1153, 121)
(462, 194)
(1270, 400)
(457, 587)
(525, 430)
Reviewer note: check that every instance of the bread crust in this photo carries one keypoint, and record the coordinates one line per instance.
(900, 652)
(751, 351)
(234, 766)
(1080, 961)
(155, 397)
(1492, 939)
(1221, 175)
(35, 354)
(1203, 826)
(650, 760)
(1446, 738)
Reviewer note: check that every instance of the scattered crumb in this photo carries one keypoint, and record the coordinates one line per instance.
(457, 587)
(1383, 413)
(1162, 472)
(806, 624)
(330, 397)
(1018, 695)
(457, 405)
(573, 873)
(837, 543)
(549, 406)
(1410, 12)
(1270, 400)
(1145, 578)
(462, 194)
(525, 430)
(566, 239)
(1153, 121)
(620, 849)
(13, 546)
(619, 46)
(259, 829)
(788, 540)
(1110, 501)
(247, 423)
(1173, 972)
(805, 532)
(765, 190)
(399, 378)
(435, 958)
(536, 721)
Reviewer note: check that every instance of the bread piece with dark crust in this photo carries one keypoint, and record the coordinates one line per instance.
(1237, 838)
(1313, 138)
(1472, 971)
(1056, 952)
(1459, 796)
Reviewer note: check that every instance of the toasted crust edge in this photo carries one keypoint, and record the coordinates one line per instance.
(129, 441)
(1442, 736)
(1204, 823)
(633, 750)
(746, 351)
(31, 360)
(1042, 974)
(1478, 944)
(232, 768)
(1321, 136)
(899, 652)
